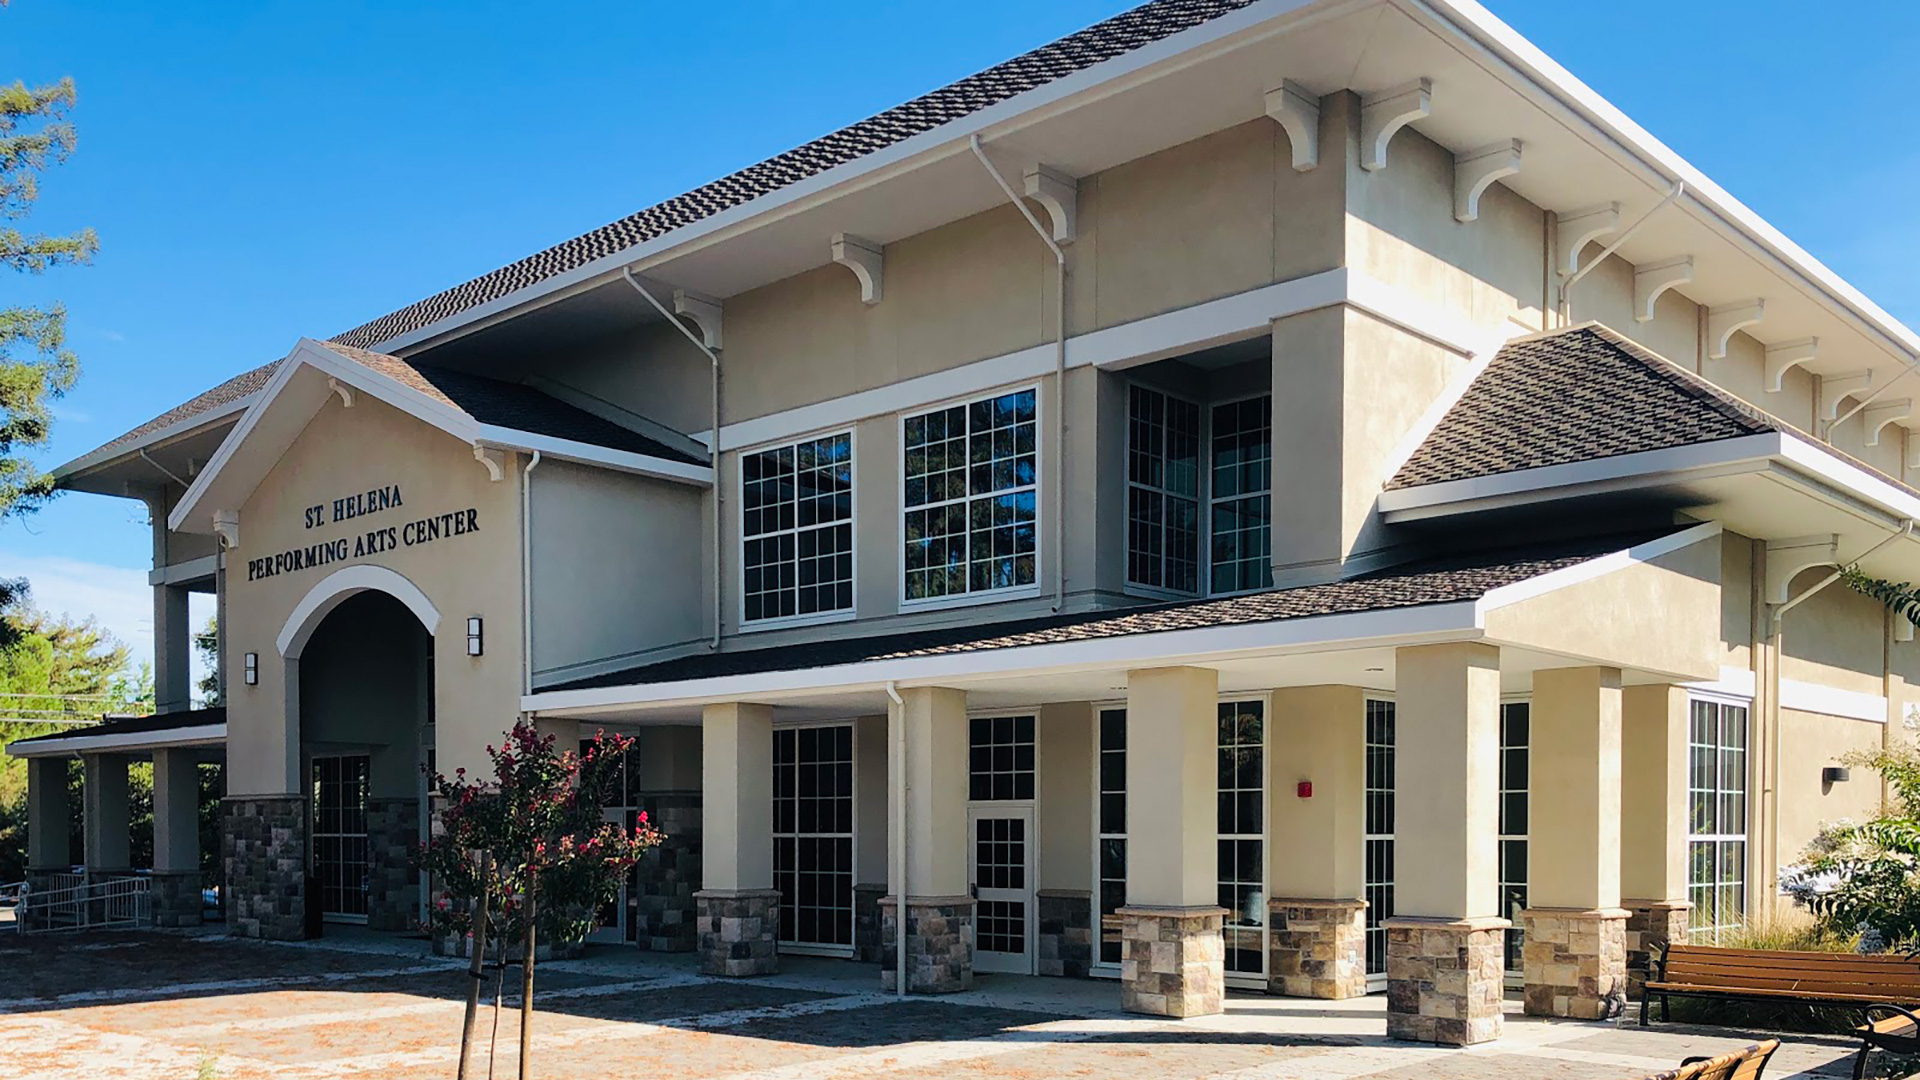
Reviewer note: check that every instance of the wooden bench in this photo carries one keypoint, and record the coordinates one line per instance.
(1898, 1032)
(1746, 1064)
(1768, 975)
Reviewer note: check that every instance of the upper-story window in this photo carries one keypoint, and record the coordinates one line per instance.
(970, 475)
(1242, 478)
(796, 512)
(1166, 487)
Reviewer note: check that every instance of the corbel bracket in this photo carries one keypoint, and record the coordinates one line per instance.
(1476, 170)
(1786, 559)
(1579, 228)
(702, 311)
(1058, 194)
(1902, 627)
(865, 258)
(226, 526)
(1723, 321)
(493, 458)
(1385, 113)
(342, 389)
(1835, 388)
(1875, 417)
(1297, 112)
(1786, 356)
(1651, 280)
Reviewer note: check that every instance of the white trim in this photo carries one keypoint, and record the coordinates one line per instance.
(1588, 570)
(588, 454)
(1810, 697)
(185, 572)
(1734, 683)
(80, 742)
(179, 428)
(1041, 503)
(335, 588)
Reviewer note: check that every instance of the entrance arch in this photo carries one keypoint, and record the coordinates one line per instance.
(336, 588)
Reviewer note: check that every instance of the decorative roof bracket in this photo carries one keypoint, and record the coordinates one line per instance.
(1875, 417)
(865, 258)
(1723, 321)
(1476, 170)
(702, 311)
(493, 458)
(1786, 559)
(1385, 113)
(1579, 228)
(1786, 356)
(226, 526)
(1651, 280)
(1297, 111)
(1058, 194)
(342, 389)
(1835, 388)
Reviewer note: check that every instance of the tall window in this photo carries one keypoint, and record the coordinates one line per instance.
(1163, 491)
(1717, 817)
(1242, 478)
(971, 473)
(1001, 765)
(1379, 832)
(796, 506)
(813, 834)
(1112, 813)
(1515, 728)
(1242, 807)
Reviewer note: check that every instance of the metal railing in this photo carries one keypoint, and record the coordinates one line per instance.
(90, 905)
(10, 893)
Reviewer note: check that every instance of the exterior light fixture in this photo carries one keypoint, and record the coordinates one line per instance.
(251, 673)
(474, 644)
(1835, 774)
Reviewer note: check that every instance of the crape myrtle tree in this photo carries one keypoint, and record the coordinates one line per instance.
(526, 855)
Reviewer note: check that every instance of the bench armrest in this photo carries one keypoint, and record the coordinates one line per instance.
(1891, 1011)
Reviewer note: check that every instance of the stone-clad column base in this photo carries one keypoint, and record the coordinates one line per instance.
(1445, 979)
(739, 931)
(866, 922)
(1573, 960)
(175, 895)
(1172, 961)
(669, 875)
(263, 846)
(1066, 932)
(1319, 948)
(1652, 925)
(939, 944)
(393, 883)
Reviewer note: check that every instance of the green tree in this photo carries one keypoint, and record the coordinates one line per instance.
(36, 367)
(207, 644)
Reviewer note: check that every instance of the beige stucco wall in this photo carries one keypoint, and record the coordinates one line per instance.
(1809, 742)
(341, 452)
(1317, 734)
(1065, 785)
(1836, 638)
(871, 758)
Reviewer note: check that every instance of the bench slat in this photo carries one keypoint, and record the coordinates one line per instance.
(1766, 963)
(1788, 954)
(1868, 997)
(1791, 977)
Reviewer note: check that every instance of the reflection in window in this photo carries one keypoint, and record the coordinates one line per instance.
(970, 475)
(1163, 490)
(796, 507)
(1241, 806)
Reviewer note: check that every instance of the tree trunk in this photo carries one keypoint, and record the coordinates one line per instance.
(474, 966)
(526, 983)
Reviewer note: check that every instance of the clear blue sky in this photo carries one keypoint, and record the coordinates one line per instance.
(263, 171)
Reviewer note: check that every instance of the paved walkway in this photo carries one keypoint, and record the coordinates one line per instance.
(169, 1005)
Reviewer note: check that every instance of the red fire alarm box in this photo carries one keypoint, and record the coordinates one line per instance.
(1304, 789)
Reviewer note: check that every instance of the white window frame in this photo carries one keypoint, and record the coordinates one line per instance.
(1515, 976)
(1098, 968)
(1202, 471)
(1241, 978)
(1040, 504)
(1747, 779)
(1378, 980)
(314, 834)
(1035, 848)
(806, 948)
(740, 535)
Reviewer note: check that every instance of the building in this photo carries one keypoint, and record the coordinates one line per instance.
(1280, 493)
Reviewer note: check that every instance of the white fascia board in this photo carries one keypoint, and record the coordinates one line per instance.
(190, 570)
(1392, 626)
(178, 429)
(231, 444)
(79, 742)
(678, 472)
(1596, 567)
(1857, 481)
(1799, 696)
(1166, 56)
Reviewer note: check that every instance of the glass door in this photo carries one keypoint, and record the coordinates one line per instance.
(339, 851)
(1002, 876)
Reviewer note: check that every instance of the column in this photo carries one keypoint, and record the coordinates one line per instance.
(49, 824)
(737, 908)
(1653, 824)
(1172, 955)
(176, 838)
(1444, 947)
(934, 875)
(172, 649)
(669, 780)
(1318, 781)
(106, 825)
(1575, 959)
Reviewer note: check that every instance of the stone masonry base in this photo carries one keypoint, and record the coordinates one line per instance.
(393, 884)
(1319, 948)
(739, 931)
(263, 847)
(1066, 932)
(866, 922)
(176, 898)
(1652, 925)
(939, 944)
(669, 875)
(1172, 961)
(1445, 979)
(1573, 960)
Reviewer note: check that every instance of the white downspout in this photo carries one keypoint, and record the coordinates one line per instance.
(1055, 470)
(900, 844)
(713, 448)
(1566, 287)
(526, 572)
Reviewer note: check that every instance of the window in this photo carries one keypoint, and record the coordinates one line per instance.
(1001, 759)
(1717, 817)
(796, 521)
(813, 834)
(1242, 813)
(1242, 477)
(340, 786)
(1163, 491)
(970, 473)
(1515, 728)
(1378, 886)
(1112, 827)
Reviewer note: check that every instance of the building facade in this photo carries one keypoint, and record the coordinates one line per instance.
(1291, 494)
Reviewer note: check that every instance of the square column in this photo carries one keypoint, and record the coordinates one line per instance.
(939, 901)
(1318, 735)
(176, 838)
(1173, 959)
(1444, 948)
(1653, 824)
(738, 909)
(108, 843)
(172, 648)
(1575, 955)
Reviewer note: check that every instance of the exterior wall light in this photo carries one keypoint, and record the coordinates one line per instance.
(474, 643)
(251, 673)
(1835, 774)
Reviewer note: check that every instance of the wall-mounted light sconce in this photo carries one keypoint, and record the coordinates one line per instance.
(1835, 774)
(474, 644)
(251, 673)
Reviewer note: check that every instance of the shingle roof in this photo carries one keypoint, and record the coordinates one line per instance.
(227, 392)
(512, 405)
(1577, 394)
(1437, 580)
(135, 725)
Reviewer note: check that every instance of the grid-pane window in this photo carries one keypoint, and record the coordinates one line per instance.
(796, 507)
(813, 834)
(1379, 831)
(1000, 758)
(1515, 766)
(971, 473)
(1242, 813)
(1241, 502)
(340, 834)
(1112, 829)
(1717, 817)
(1163, 491)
